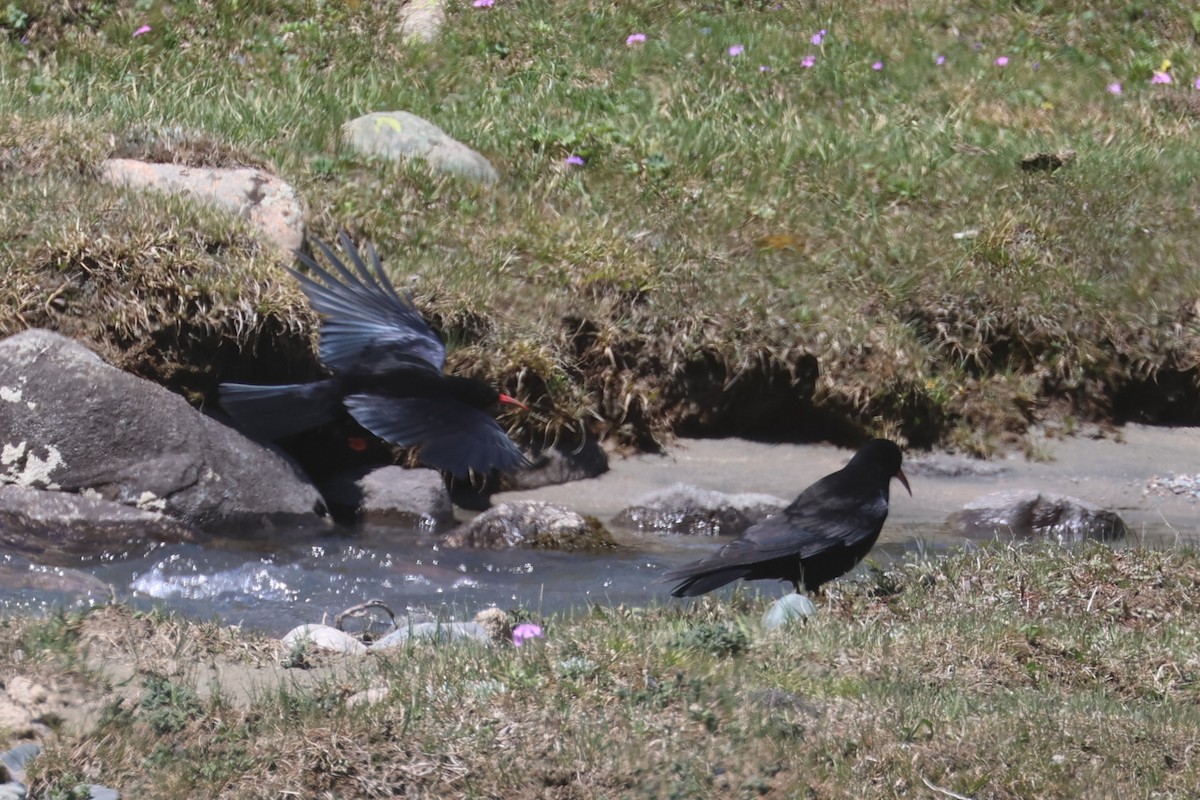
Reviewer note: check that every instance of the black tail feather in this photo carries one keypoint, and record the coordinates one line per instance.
(272, 412)
(698, 583)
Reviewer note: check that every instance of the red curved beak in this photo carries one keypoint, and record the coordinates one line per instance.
(900, 474)
(512, 401)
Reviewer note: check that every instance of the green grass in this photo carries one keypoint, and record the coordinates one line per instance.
(1002, 673)
(745, 251)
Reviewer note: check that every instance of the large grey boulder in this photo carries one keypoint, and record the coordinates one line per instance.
(686, 509)
(59, 528)
(1028, 513)
(264, 200)
(397, 135)
(533, 524)
(68, 421)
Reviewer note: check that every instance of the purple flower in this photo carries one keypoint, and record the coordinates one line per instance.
(1197, 83)
(808, 61)
(1114, 88)
(877, 66)
(1002, 61)
(818, 37)
(484, 3)
(1161, 77)
(764, 68)
(140, 31)
(736, 50)
(635, 38)
(574, 160)
(937, 62)
(526, 631)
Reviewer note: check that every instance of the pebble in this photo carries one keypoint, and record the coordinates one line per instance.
(1185, 485)
(787, 608)
(324, 637)
(433, 631)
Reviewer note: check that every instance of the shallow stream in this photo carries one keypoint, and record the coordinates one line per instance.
(273, 583)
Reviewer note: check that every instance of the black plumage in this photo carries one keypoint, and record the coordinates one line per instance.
(386, 364)
(827, 530)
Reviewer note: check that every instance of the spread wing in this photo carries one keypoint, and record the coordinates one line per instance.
(452, 436)
(365, 317)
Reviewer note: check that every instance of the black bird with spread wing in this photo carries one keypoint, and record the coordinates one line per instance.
(386, 364)
(827, 530)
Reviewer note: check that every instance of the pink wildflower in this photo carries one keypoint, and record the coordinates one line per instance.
(526, 631)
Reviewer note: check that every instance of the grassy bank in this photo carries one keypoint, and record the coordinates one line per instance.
(1006, 673)
(752, 245)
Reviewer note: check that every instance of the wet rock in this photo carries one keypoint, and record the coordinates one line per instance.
(392, 495)
(20, 574)
(432, 632)
(562, 465)
(68, 421)
(530, 523)
(323, 637)
(686, 509)
(421, 20)
(265, 201)
(1029, 513)
(60, 528)
(397, 135)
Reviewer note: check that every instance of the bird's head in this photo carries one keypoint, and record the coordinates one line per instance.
(885, 456)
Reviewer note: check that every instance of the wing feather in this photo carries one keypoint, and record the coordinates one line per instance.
(452, 436)
(363, 313)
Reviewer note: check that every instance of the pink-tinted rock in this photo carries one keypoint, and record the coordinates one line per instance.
(263, 200)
